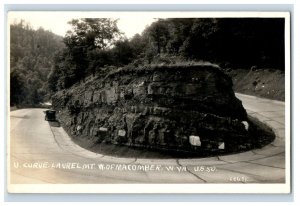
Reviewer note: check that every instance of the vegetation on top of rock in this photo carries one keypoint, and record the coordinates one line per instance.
(229, 42)
(95, 45)
(162, 67)
(85, 50)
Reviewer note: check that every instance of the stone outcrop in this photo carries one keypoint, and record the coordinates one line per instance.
(182, 108)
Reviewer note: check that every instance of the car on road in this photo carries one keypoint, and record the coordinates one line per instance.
(50, 115)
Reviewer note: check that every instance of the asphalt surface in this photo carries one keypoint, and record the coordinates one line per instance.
(41, 154)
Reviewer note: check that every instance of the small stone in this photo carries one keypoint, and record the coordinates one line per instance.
(221, 145)
(195, 140)
(79, 127)
(103, 129)
(141, 84)
(122, 133)
(246, 124)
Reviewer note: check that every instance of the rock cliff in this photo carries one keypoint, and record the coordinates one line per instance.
(181, 108)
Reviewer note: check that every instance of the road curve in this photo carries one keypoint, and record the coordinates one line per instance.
(41, 154)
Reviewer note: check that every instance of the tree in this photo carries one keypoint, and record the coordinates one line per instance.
(199, 43)
(123, 52)
(31, 58)
(92, 33)
(53, 78)
(239, 42)
(63, 73)
(179, 30)
(86, 36)
(138, 44)
(158, 35)
(17, 89)
(98, 58)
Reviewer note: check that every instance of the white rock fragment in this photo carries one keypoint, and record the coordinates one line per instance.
(103, 129)
(221, 145)
(246, 124)
(141, 84)
(195, 140)
(79, 127)
(122, 133)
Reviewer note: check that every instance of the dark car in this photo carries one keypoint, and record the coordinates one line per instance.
(50, 115)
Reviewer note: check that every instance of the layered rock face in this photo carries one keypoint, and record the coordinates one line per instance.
(182, 108)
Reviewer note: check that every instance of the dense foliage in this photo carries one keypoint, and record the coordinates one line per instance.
(234, 42)
(230, 42)
(31, 59)
(96, 43)
(87, 47)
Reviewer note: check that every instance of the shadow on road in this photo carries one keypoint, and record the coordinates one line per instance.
(54, 123)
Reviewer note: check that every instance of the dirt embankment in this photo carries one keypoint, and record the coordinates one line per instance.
(266, 83)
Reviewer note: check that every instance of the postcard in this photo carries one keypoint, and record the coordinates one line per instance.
(148, 102)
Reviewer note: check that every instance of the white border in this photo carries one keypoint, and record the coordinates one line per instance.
(288, 69)
(152, 188)
(166, 14)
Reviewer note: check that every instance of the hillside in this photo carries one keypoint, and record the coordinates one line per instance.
(266, 83)
(31, 60)
(229, 42)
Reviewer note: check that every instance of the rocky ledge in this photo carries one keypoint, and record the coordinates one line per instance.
(176, 108)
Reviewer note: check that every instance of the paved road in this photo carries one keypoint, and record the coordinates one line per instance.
(44, 154)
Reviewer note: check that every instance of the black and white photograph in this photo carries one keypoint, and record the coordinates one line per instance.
(148, 102)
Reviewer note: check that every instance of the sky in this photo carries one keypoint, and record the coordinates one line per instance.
(57, 22)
